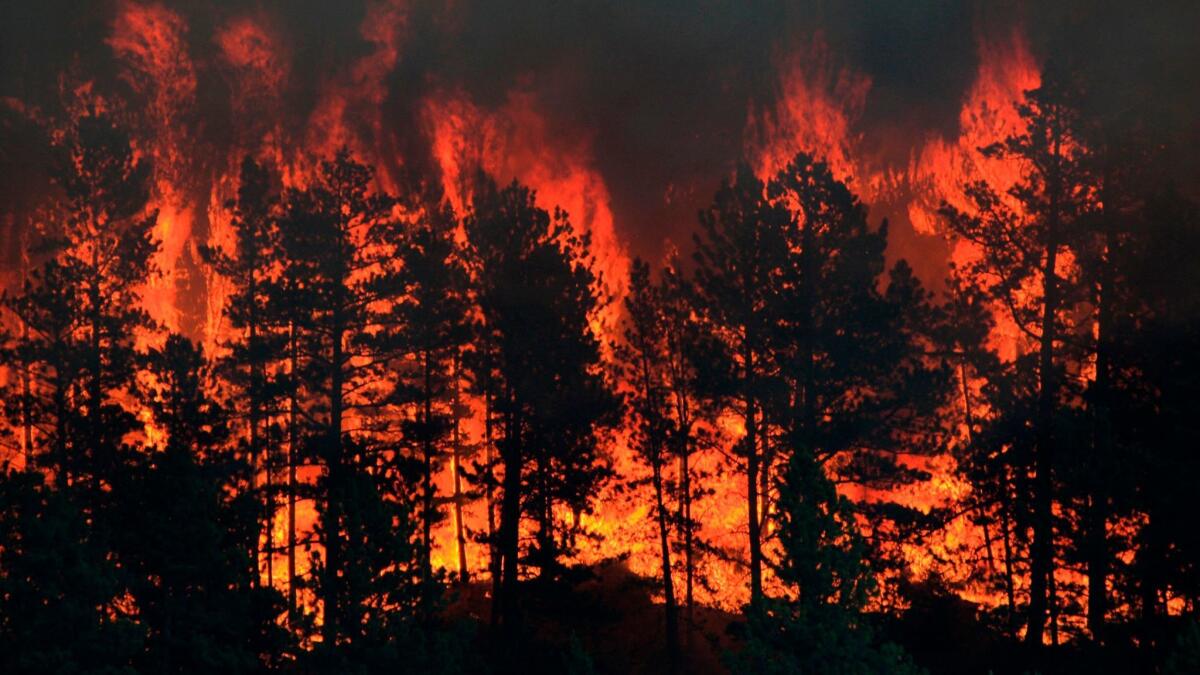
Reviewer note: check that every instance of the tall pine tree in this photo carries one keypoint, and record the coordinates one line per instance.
(536, 294)
(1026, 240)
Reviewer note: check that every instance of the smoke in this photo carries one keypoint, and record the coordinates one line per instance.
(659, 92)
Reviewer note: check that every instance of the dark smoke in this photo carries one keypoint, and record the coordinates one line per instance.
(661, 88)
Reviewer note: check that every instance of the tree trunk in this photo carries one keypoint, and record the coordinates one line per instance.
(1006, 538)
(1097, 566)
(545, 519)
(1053, 606)
(688, 559)
(1096, 518)
(269, 516)
(494, 557)
(654, 413)
(672, 618)
(26, 413)
(256, 453)
(293, 456)
(510, 516)
(62, 473)
(750, 442)
(95, 392)
(1042, 550)
(682, 445)
(427, 481)
(766, 458)
(455, 461)
(969, 422)
(335, 491)
(510, 513)
(1150, 565)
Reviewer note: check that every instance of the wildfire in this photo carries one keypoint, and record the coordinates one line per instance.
(818, 106)
(816, 112)
(150, 40)
(517, 141)
(350, 113)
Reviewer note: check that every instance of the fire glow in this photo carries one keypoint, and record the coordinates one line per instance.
(446, 132)
(817, 111)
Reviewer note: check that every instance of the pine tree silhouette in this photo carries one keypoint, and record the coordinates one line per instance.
(536, 294)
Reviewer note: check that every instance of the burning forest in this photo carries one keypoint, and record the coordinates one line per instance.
(395, 336)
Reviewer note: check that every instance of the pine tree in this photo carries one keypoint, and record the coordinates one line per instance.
(80, 311)
(57, 586)
(644, 360)
(985, 454)
(859, 391)
(536, 294)
(819, 626)
(1102, 487)
(190, 575)
(1023, 238)
(45, 354)
(431, 329)
(105, 246)
(1158, 428)
(252, 365)
(335, 248)
(385, 601)
(862, 393)
(685, 344)
(740, 260)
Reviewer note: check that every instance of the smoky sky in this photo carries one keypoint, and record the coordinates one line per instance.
(660, 88)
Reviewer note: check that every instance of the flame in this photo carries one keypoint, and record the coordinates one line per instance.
(517, 141)
(815, 113)
(941, 167)
(937, 174)
(818, 106)
(350, 113)
(150, 40)
(819, 103)
(251, 51)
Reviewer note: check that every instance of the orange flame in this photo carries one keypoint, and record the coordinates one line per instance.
(150, 40)
(818, 107)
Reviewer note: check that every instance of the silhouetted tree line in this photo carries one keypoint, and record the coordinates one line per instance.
(140, 533)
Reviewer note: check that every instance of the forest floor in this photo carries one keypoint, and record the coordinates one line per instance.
(606, 619)
(608, 613)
